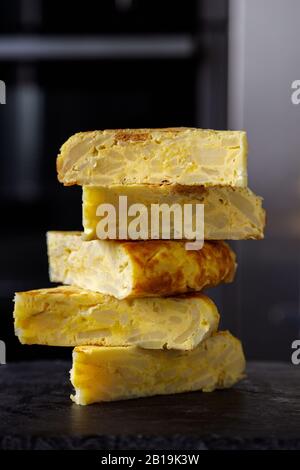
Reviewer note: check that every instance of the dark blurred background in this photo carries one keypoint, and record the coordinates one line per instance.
(74, 66)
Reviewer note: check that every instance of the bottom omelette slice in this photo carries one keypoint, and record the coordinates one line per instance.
(118, 373)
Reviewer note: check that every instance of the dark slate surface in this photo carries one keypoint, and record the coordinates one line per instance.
(260, 413)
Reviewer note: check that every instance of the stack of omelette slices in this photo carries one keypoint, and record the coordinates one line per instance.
(134, 309)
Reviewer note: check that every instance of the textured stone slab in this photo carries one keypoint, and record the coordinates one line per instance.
(261, 412)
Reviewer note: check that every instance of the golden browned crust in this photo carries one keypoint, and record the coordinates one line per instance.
(66, 291)
(142, 135)
(135, 136)
(167, 268)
